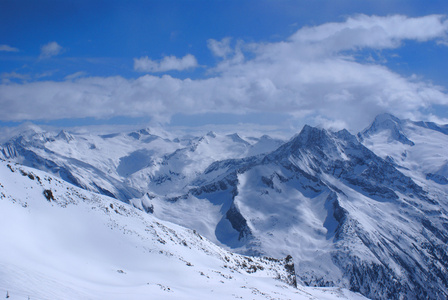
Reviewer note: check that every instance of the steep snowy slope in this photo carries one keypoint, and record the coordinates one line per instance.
(61, 242)
(347, 216)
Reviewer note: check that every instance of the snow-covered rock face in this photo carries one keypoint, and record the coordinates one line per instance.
(366, 212)
(349, 217)
(62, 242)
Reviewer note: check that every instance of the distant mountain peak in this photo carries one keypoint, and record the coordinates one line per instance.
(387, 122)
(145, 135)
(63, 135)
(237, 139)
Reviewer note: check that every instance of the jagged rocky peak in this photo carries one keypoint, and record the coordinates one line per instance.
(310, 136)
(387, 122)
(318, 143)
(312, 139)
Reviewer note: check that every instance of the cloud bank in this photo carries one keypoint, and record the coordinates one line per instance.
(312, 74)
(168, 63)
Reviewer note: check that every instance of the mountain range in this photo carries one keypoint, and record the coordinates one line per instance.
(365, 212)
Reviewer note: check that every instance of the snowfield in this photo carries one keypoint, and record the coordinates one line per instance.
(63, 242)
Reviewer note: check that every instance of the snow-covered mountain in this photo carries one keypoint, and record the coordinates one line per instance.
(126, 165)
(349, 217)
(423, 156)
(367, 212)
(62, 242)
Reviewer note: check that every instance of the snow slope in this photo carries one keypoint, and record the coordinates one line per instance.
(62, 242)
(349, 217)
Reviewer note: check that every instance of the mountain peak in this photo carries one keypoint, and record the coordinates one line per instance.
(235, 137)
(309, 138)
(384, 117)
(145, 132)
(63, 135)
(387, 122)
(311, 135)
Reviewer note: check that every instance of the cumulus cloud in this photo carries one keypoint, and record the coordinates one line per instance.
(8, 48)
(168, 63)
(313, 75)
(50, 49)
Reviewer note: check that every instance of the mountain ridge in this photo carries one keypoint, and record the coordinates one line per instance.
(355, 211)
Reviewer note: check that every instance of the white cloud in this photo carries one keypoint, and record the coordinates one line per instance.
(220, 48)
(50, 49)
(8, 48)
(310, 76)
(168, 63)
(373, 32)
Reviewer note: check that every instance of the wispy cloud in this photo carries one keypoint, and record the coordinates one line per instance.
(374, 32)
(168, 63)
(8, 77)
(220, 48)
(75, 75)
(8, 48)
(50, 49)
(314, 74)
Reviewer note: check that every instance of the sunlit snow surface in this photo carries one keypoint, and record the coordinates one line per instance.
(74, 244)
(375, 222)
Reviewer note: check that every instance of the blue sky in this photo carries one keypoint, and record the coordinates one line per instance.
(190, 63)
